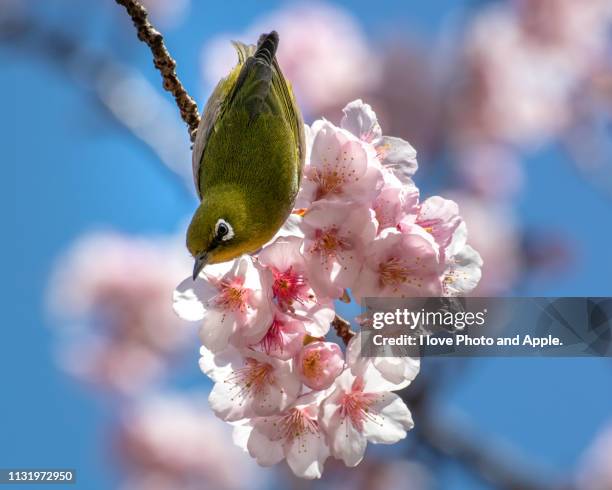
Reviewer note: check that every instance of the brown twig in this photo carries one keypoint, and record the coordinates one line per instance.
(164, 63)
(343, 329)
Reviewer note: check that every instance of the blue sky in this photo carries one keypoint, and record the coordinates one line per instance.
(67, 171)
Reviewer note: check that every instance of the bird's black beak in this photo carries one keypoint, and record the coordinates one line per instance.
(200, 262)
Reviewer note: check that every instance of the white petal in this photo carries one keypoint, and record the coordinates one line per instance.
(360, 119)
(190, 298)
(270, 427)
(290, 228)
(390, 421)
(218, 366)
(265, 451)
(347, 443)
(353, 349)
(241, 433)
(307, 454)
(375, 381)
(398, 369)
(463, 273)
(227, 403)
(251, 333)
(287, 381)
(216, 329)
(382, 373)
(320, 316)
(399, 156)
(326, 145)
(282, 254)
(459, 240)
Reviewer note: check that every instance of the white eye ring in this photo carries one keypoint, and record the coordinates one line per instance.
(219, 226)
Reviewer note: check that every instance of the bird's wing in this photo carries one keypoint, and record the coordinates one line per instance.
(249, 85)
(261, 75)
(292, 113)
(215, 108)
(269, 77)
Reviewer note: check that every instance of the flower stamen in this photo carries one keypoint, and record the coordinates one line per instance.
(295, 423)
(251, 379)
(232, 296)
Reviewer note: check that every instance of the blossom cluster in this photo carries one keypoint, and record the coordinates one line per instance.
(290, 392)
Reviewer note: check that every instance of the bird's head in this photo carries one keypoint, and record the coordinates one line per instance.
(220, 230)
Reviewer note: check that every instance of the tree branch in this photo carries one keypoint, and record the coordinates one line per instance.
(343, 329)
(164, 63)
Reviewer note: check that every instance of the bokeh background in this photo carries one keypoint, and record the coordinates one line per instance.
(509, 105)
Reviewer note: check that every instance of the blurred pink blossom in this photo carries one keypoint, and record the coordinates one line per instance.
(595, 471)
(174, 441)
(322, 52)
(490, 170)
(522, 64)
(115, 289)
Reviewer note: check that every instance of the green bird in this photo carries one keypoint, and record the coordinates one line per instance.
(247, 158)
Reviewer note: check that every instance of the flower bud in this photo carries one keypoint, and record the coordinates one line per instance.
(319, 364)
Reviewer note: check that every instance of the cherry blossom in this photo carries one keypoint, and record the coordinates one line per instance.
(440, 217)
(399, 371)
(463, 265)
(335, 238)
(248, 383)
(341, 167)
(394, 153)
(290, 287)
(395, 201)
(362, 409)
(401, 264)
(284, 337)
(290, 392)
(230, 300)
(294, 434)
(522, 74)
(361, 120)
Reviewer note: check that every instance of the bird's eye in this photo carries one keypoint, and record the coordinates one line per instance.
(223, 230)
